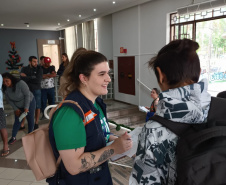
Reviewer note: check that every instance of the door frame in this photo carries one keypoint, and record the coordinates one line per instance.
(41, 42)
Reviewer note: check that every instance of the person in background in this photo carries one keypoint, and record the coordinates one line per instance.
(77, 51)
(153, 107)
(183, 99)
(83, 148)
(41, 61)
(32, 75)
(4, 133)
(221, 94)
(63, 65)
(47, 84)
(21, 99)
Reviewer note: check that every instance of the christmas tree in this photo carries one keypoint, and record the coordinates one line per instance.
(14, 59)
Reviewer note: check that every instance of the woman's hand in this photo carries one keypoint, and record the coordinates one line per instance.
(25, 110)
(122, 144)
(112, 137)
(17, 112)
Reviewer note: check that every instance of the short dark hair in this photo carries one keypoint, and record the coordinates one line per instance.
(32, 57)
(179, 61)
(13, 79)
(42, 57)
(221, 94)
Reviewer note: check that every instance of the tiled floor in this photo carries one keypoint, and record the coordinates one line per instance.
(14, 169)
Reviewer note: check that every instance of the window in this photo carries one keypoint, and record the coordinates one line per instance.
(70, 41)
(95, 35)
(208, 28)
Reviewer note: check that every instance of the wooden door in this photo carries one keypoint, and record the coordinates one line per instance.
(126, 75)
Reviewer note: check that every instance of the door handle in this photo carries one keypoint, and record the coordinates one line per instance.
(130, 76)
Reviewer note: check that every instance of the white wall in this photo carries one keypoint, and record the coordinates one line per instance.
(142, 30)
(105, 45)
(126, 34)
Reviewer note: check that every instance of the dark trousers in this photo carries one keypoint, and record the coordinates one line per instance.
(47, 94)
(149, 114)
(29, 117)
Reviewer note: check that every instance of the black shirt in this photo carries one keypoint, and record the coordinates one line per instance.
(33, 78)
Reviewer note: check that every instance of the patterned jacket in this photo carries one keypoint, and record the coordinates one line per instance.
(155, 162)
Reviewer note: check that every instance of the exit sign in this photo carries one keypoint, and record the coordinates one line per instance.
(51, 41)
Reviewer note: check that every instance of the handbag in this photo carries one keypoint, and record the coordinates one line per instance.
(38, 150)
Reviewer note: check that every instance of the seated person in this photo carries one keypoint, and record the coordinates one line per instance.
(153, 107)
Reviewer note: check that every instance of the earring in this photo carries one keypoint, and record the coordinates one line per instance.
(84, 83)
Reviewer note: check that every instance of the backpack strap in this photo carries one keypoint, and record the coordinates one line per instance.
(54, 110)
(72, 102)
(176, 127)
(206, 134)
(217, 110)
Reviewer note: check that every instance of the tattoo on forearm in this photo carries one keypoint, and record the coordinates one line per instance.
(105, 155)
(87, 162)
(92, 156)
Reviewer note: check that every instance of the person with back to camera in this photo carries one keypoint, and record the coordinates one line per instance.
(83, 148)
(183, 99)
(153, 107)
(19, 96)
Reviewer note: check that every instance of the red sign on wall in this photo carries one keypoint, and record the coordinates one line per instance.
(121, 50)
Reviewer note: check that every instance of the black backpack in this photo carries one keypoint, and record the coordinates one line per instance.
(201, 148)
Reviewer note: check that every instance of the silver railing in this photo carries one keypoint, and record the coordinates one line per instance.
(143, 84)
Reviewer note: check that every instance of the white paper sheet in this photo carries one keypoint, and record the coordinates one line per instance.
(143, 109)
(134, 136)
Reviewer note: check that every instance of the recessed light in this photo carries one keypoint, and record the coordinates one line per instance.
(68, 20)
(113, 2)
(58, 24)
(80, 15)
(2, 24)
(28, 25)
(94, 9)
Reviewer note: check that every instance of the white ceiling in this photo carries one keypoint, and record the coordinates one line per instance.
(46, 14)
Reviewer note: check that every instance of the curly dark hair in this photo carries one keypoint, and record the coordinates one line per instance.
(179, 61)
